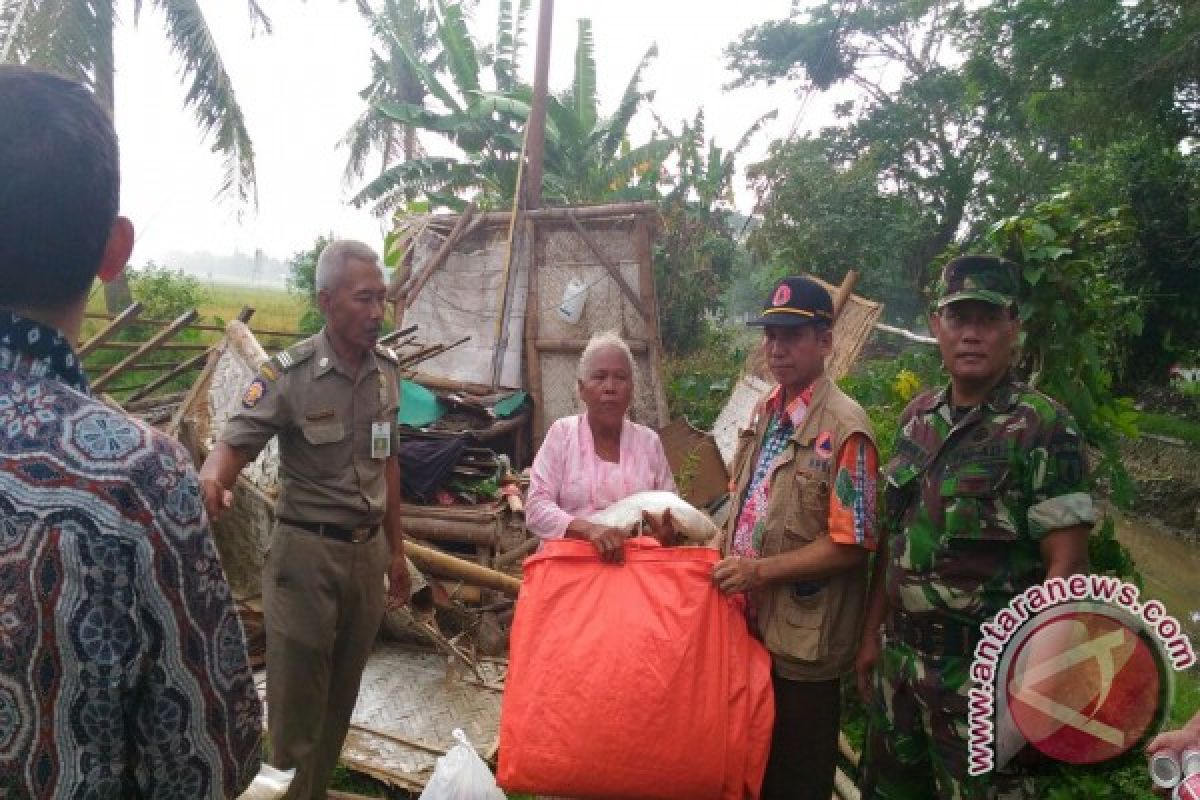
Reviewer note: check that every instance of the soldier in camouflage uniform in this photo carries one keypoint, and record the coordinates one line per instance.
(985, 497)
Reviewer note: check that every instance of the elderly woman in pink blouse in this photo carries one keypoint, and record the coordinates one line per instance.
(591, 460)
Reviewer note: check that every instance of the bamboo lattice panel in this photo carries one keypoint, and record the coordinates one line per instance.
(408, 705)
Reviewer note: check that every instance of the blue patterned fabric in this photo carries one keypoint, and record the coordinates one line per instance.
(123, 669)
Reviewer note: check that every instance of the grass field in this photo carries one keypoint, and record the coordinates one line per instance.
(274, 309)
(217, 303)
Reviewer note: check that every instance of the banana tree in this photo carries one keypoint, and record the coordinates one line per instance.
(587, 157)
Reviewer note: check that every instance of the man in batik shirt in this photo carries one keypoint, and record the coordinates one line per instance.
(797, 540)
(123, 670)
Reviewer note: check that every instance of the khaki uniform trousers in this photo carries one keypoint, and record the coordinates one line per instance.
(323, 600)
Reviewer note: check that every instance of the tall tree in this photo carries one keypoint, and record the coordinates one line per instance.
(75, 38)
(920, 122)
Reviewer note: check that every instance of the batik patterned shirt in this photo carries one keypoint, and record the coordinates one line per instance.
(123, 670)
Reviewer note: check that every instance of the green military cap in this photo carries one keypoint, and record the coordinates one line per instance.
(991, 279)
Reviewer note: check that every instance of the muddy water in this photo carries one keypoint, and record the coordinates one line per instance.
(1170, 568)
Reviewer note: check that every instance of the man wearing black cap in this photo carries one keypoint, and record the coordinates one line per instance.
(797, 541)
(986, 496)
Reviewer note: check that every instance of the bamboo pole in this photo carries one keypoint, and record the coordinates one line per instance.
(638, 346)
(166, 347)
(613, 270)
(201, 384)
(912, 337)
(605, 211)
(535, 129)
(205, 327)
(195, 362)
(152, 402)
(149, 347)
(844, 291)
(644, 241)
(436, 530)
(509, 557)
(446, 565)
(110, 330)
(533, 359)
(388, 338)
(410, 292)
(187, 366)
(449, 384)
(507, 283)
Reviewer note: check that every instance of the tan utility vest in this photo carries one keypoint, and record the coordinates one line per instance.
(812, 636)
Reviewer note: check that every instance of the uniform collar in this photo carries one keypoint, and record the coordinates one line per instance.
(40, 350)
(1002, 398)
(326, 358)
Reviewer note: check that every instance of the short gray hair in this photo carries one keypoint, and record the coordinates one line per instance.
(604, 341)
(334, 257)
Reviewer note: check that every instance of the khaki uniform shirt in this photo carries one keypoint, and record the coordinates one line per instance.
(323, 415)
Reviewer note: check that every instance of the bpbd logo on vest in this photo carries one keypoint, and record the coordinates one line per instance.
(1080, 668)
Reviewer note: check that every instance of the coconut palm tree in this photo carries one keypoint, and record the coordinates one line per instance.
(75, 39)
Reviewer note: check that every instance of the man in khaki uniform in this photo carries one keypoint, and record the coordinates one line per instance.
(332, 401)
(797, 541)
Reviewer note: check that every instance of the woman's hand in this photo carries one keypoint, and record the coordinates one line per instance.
(608, 541)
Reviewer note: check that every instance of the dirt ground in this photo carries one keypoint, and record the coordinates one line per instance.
(1167, 479)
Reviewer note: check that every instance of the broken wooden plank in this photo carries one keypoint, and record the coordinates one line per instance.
(191, 364)
(110, 330)
(432, 265)
(149, 347)
(613, 270)
(195, 362)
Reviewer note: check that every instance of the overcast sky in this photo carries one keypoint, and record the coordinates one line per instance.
(299, 91)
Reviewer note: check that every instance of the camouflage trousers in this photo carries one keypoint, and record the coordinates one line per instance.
(917, 733)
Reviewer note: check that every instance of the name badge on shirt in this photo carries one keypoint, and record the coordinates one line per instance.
(381, 439)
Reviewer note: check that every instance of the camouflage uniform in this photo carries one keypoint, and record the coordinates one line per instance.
(968, 503)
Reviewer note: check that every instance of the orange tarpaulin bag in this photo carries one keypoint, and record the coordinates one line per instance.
(635, 681)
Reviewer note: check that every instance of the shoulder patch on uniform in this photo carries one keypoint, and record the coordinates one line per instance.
(387, 353)
(254, 392)
(296, 354)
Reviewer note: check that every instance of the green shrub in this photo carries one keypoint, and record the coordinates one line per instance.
(698, 385)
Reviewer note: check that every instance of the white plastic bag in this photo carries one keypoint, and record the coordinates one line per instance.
(461, 775)
(268, 784)
(570, 310)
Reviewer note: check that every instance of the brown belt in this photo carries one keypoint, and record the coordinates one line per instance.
(933, 634)
(358, 535)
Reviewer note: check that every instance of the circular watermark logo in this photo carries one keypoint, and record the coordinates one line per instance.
(1085, 684)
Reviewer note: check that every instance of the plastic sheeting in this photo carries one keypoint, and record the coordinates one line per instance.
(633, 681)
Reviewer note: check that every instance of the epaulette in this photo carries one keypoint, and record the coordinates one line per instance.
(387, 353)
(298, 353)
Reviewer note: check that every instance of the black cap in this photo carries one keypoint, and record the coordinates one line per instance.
(796, 301)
